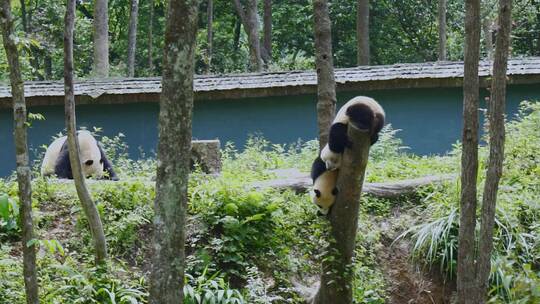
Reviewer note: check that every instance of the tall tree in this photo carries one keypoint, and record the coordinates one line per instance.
(209, 35)
(337, 268)
(267, 39)
(362, 32)
(442, 29)
(496, 146)
(21, 152)
(466, 279)
(250, 21)
(174, 146)
(151, 37)
(101, 38)
(90, 210)
(132, 36)
(326, 83)
(488, 40)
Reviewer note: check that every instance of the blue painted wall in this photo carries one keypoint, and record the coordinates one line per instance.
(430, 120)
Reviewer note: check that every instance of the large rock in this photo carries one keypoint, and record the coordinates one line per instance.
(206, 154)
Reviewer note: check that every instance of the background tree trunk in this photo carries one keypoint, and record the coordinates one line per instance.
(442, 30)
(267, 39)
(362, 32)
(496, 146)
(90, 210)
(209, 35)
(101, 38)
(151, 38)
(250, 21)
(326, 84)
(488, 41)
(174, 146)
(237, 29)
(337, 268)
(469, 159)
(21, 153)
(132, 36)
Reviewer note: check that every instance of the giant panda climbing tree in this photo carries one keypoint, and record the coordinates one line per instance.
(337, 268)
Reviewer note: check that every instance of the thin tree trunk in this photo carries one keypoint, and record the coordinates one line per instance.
(209, 35)
(362, 32)
(236, 38)
(442, 30)
(151, 38)
(90, 210)
(21, 152)
(537, 5)
(174, 145)
(101, 38)
(488, 41)
(326, 84)
(337, 267)
(267, 39)
(496, 146)
(466, 278)
(132, 36)
(250, 21)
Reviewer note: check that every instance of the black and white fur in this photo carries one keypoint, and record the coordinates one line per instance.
(361, 111)
(324, 190)
(94, 162)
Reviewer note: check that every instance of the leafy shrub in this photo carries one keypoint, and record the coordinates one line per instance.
(9, 216)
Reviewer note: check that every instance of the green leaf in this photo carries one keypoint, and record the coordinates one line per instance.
(4, 207)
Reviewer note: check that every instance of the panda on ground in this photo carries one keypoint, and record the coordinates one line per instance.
(361, 111)
(324, 190)
(94, 162)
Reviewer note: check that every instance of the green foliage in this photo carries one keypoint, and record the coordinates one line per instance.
(212, 289)
(9, 216)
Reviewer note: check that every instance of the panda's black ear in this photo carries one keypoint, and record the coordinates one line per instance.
(335, 191)
(89, 162)
(317, 192)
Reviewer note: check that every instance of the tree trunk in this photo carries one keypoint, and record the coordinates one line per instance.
(337, 267)
(101, 38)
(132, 36)
(236, 38)
(469, 160)
(496, 146)
(537, 5)
(209, 35)
(21, 153)
(250, 21)
(151, 38)
(442, 30)
(362, 32)
(488, 41)
(267, 39)
(90, 210)
(326, 84)
(174, 145)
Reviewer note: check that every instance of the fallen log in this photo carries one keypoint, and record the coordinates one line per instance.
(301, 182)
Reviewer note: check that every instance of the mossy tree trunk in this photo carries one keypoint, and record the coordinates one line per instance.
(267, 29)
(174, 145)
(101, 38)
(496, 146)
(250, 21)
(90, 210)
(337, 267)
(151, 37)
(21, 153)
(209, 35)
(442, 29)
(326, 83)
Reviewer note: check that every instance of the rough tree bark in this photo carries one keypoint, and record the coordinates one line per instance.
(267, 37)
(442, 29)
(21, 153)
(174, 145)
(132, 36)
(362, 32)
(250, 21)
(488, 41)
(337, 268)
(209, 35)
(496, 146)
(101, 38)
(326, 83)
(466, 279)
(151, 38)
(90, 210)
